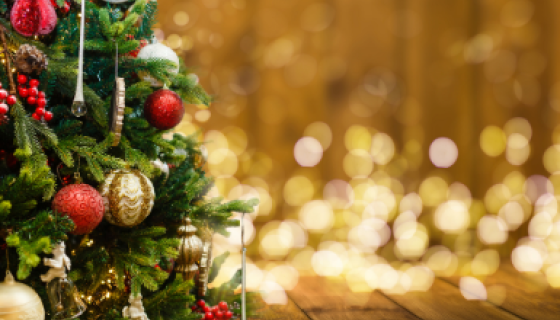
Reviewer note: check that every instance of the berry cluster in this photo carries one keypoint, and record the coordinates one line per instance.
(219, 312)
(34, 97)
(9, 99)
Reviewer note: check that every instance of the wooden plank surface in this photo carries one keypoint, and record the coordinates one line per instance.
(527, 296)
(327, 299)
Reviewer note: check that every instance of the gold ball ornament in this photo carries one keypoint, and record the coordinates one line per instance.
(19, 301)
(128, 196)
(190, 251)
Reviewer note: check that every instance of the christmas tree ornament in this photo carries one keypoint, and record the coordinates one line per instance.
(190, 251)
(205, 234)
(164, 109)
(79, 108)
(63, 295)
(128, 196)
(33, 17)
(136, 309)
(162, 166)
(8, 63)
(81, 203)
(157, 51)
(117, 103)
(244, 271)
(18, 301)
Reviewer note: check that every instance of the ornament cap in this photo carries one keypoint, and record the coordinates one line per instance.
(9, 280)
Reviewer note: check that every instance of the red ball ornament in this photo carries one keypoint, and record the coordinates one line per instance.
(21, 79)
(40, 111)
(42, 94)
(208, 316)
(215, 309)
(206, 309)
(48, 116)
(33, 17)
(164, 109)
(201, 303)
(219, 315)
(31, 100)
(228, 314)
(36, 116)
(3, 108)
(3, 94)
(10, 100)
(81, 203)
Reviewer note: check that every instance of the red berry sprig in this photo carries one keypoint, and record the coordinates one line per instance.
(219, 312)
(34, 97)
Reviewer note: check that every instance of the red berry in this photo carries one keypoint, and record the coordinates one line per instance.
(3, 108)
(219, 315)
(3, 94)
(48, 115)
(201, 303)
(206, 309)
(36, 116)
(31, 100)
(208, 316)
(41, 102)
(228, 314)
(21, 79)
(223, 306)
(215, 309)
(23, 92)
(10, 100)
(34, 83)
(42, 94)
(33, 92)
(66, 8)
(40, 111)
(193, 308)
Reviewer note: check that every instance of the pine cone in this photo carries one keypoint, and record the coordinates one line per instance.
(29, 59)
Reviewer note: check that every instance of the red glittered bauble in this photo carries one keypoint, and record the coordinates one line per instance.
(164, 109)
(81, 203)
(33, 17)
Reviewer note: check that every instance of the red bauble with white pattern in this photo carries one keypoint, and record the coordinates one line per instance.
(164, 109)
(81, 203)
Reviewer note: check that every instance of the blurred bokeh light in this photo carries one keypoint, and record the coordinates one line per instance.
(389, 142)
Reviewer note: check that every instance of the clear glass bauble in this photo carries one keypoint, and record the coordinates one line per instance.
(65, 300)
(79, 108)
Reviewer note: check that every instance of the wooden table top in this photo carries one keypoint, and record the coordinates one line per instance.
(516, 296)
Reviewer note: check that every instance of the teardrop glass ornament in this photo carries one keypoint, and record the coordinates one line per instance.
(79, 108)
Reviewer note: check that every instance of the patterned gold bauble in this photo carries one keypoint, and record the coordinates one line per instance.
(190, 251)
(19, 302)
(128, 196)
(205, 234)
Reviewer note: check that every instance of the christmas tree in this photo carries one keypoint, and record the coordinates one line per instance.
(103, 211)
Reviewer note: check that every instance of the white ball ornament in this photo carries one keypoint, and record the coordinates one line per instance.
(160, 51)
(128, 196)
(19, 301)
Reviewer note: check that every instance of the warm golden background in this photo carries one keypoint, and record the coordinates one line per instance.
(390, 141)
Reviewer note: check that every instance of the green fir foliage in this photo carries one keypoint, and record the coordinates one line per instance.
(47, 154)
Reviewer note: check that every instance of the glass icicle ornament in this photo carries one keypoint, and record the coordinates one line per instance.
(79, 108)
(190, 251)
(63, 295)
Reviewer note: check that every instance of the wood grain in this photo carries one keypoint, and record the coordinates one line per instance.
(527, 296)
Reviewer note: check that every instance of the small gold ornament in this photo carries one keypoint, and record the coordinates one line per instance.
(190, 251)
(117, 104)
(19, 301)
(128, 196)
(205, 264)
